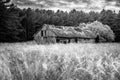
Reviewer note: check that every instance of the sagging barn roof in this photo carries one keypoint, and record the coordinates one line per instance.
(68, 31)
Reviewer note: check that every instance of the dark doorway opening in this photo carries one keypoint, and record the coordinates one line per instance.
(97, 39)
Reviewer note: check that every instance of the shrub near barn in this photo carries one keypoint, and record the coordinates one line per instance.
(104, 32)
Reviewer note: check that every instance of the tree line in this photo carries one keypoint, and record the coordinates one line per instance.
(21, 24)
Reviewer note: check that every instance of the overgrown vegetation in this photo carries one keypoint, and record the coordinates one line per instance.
(104, 31)
(28, 61)
(20, 24)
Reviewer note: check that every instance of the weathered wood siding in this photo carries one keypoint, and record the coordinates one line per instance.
(49, 33)
(39, 40)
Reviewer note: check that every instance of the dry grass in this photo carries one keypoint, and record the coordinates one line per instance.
(28, 61)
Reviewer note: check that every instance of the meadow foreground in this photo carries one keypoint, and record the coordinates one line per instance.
(83, 61)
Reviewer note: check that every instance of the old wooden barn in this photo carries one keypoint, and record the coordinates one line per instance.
(63, 34)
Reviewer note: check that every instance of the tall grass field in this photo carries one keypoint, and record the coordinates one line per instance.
(83, 61)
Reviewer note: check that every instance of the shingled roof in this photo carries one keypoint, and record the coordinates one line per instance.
(69, 31)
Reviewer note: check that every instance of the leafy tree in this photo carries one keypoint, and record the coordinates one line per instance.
(103, 31)
(28, 24)
(116, 28)
(107, 17)
(93, 16)
(9, 22)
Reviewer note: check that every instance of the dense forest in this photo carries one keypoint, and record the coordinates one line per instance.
(20, 24)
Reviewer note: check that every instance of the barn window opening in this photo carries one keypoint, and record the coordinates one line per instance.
(41, 33)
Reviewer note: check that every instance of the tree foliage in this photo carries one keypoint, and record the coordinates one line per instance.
(20, 24)
(103, 31)
(9, 22)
